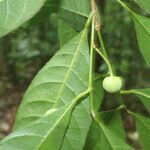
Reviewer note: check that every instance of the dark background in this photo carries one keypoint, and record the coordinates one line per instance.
(26, 50)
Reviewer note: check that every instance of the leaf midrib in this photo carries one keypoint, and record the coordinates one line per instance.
(58, 121)
(134, 15)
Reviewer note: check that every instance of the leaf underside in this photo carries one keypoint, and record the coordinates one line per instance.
(59, 81)
(40, 134)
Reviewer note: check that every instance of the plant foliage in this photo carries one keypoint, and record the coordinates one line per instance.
(60, 109)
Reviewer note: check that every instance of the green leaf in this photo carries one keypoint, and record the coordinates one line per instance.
(143, 127)
(97, 93)
(137, 7)
(75, 12)
(65, 32)
(64, 36)
(93, 141)
(144, 4)
(108, 132)
(98, 96)
(44, 13)
(59, 81)
(73, 129)
(113, 121)
(111, 141)
(46, 132)
(144, 96)
(15, 12)
(142, 25)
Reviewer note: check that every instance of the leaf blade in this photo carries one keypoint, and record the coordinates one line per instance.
(15, 12)
(41, 133)
(98, 138)
(51, 80)
(144, 96)
(142, 25)
(61, 80)
(65, 32)
(142, 124)
(74, 12)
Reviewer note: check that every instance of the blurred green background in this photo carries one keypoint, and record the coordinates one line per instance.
(26, 50)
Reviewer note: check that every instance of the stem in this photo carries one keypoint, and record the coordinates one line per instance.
(106, 60)
(82, 95)
(91, 65)
(102, 44)
(91, 56)
(126, 92)
(91, 49)
(134, 92)
(97, 21)
(89, 19)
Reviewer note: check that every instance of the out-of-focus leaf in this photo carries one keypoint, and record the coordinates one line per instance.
(15, 12)
(145, 5)
(144, 95)
(136, 7)
(142, 25)
(143, 127)
(1, 0)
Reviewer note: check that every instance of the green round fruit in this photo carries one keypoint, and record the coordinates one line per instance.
(112, 84)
